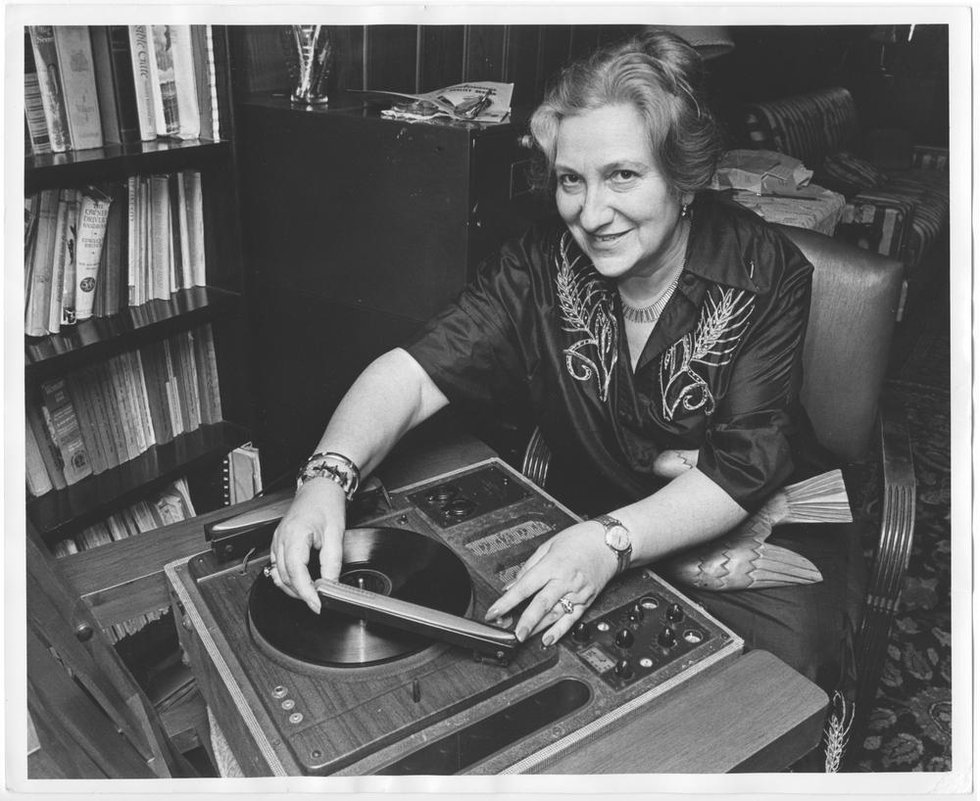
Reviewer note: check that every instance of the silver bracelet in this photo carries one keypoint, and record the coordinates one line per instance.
(334, 466)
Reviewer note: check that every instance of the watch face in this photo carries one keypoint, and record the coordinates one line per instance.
(618, 538)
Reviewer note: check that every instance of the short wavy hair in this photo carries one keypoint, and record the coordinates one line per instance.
(661, 76)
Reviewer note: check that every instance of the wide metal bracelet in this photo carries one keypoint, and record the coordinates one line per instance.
(334, 466)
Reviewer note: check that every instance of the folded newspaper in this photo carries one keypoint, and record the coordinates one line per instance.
(478, 101)
(763, 172)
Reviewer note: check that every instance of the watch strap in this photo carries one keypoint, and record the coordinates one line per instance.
(622, 557)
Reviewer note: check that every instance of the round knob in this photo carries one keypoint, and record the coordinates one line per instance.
(84, 632)
(635, 614)
(675, 613)
(667, 638)
(581, 632)
(623, 669)
(624, 638)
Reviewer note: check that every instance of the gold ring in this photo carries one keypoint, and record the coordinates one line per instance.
(567, 605)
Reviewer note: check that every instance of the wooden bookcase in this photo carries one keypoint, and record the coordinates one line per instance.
(197, 454)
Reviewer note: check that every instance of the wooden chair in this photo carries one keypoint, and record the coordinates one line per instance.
(852, 315)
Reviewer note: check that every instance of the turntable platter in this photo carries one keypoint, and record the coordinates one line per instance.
(395, 562)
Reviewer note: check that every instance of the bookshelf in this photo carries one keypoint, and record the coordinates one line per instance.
(216, 305)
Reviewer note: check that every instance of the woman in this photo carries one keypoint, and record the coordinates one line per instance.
(658, 322)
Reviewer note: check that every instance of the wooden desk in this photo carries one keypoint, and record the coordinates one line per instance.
(751, 714)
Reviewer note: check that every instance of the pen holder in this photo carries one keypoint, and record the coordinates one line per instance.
(308, 52)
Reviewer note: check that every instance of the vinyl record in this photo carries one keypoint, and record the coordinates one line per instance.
(402, 564)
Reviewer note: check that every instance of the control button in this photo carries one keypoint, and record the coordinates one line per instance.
(623, 669)
(649, 603)
(296, 717)
(646, 662)
(667, 638)
(442, 493)
(693, 636)
(581, 632)
(624, 638)
(278, 691)
(288, 704)
(602, 625)
(460, 508)
(635, 614)
(675, 613)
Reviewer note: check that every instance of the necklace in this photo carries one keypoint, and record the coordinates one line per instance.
(651, 313)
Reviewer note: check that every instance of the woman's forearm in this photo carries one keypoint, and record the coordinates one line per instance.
(391, 396)
(689, 510)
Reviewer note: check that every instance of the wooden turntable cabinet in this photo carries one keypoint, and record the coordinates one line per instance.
(439, 708)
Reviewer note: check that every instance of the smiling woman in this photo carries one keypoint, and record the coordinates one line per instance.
(656, 319)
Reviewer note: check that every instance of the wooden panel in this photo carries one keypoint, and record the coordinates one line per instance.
(441, 56)
(348, 57)
(553, 50)
(484, 56)
(390, 53)
(757, 709)
(521, 65)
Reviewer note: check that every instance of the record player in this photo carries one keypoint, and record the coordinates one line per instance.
(398, 674)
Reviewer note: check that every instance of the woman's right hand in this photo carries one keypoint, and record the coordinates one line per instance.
(316, 519)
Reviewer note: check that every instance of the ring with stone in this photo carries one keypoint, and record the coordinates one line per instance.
(567, 605)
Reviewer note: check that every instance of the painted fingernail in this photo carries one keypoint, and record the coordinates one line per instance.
(521, 633)
(547, 640)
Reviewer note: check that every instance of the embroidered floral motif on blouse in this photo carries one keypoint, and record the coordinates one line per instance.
(724, 318)
(586, 309)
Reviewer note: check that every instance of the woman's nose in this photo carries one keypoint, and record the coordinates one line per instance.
(596, 211)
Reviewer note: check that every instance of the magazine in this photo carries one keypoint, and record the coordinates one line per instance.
(477, 101)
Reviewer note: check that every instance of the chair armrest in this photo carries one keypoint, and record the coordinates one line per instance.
(890, 563)
(931, 158)
(537, 459)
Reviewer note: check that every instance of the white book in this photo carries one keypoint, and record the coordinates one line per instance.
(77, 68)
(142, 55)
(188, 112)
(195, 226)
(93, 217)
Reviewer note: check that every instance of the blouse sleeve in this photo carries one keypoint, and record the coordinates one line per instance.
(747, 446)
(471, 350)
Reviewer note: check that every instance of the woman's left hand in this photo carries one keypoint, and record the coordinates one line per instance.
(574, 565)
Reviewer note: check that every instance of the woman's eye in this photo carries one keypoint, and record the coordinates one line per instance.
(567, 181)
(624, 175)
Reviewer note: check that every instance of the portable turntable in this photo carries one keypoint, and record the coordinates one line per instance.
(347, 692)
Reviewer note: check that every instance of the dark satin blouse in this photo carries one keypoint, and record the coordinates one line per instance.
(720, 372)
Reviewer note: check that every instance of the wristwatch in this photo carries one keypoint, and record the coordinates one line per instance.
(618, 540)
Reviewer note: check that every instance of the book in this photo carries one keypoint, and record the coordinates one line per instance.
(142, 397)
(123, 82)
(194, 198)
(64, 251)
(161, 267)
(108, 412)
(93, 217)
(89, 424)
(102, 62)
(185, 82)
(69, 243)
(181, 227)
(130, 447)
(175, 401)
(132, 239)
(151, 360)
(50, 454)
(42, 263)
(38, 481)
(112, 265)
(49, 80)
(207, 373)
(206, 80)
(37, 127)
(60, 415)
(141, 55)
(186, 371)
(243, 474)
(164, 85)
(78, 85)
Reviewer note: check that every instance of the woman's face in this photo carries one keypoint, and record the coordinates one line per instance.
(612, 195)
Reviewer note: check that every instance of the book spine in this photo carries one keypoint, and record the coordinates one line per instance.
(117, 382)
(187, 381)
(50, 454)
(105, 84)
(124, 83)
(132, 224)
(38, 481)
(150, 358)
(88, 424)
(141, 54)
(64, 251)
(107, 413)
(217, 54)
(188, 113)
(194, 195)
(176, 402)
(39, 290)
(200, 35)
(37, 126)
(207, 368)
(160, 268)
(182, 225)
(70, 197)
(93, 217)
(164, 87)
(93, 392)
(52, 98)
(65, 430)
(78, 85)
(114, 266)
(143, 397)
(133, 407)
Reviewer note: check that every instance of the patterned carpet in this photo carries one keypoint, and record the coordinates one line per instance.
(910, 729)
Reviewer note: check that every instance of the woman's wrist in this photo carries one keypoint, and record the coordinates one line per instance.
(333, 466)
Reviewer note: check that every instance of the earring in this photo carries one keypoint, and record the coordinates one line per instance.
(685, 210)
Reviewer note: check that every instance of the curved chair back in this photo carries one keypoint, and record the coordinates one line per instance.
(852, 318)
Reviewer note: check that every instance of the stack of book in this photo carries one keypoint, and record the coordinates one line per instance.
(170, 506)
(100, 416)
(92, 252)
(88, 86)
